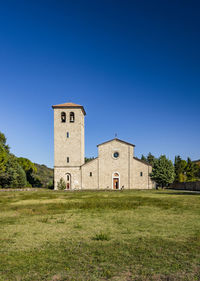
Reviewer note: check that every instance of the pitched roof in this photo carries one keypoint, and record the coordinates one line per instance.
(116, 140)
(142, 161)
(69, 105)
(90, 161)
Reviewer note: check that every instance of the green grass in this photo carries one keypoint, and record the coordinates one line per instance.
(129, 235)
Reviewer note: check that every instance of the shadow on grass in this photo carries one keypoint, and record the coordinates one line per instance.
(187, 192)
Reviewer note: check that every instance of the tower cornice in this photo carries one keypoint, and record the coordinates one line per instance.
(69, 105)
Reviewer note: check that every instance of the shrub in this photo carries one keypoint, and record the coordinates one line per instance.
(61, 184)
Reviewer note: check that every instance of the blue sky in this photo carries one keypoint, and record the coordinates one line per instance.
(133, 65)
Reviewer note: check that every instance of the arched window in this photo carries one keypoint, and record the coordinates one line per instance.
(63, 117)
(71, 117)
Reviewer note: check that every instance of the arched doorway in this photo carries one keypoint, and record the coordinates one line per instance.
(68, 181)
(116, 181)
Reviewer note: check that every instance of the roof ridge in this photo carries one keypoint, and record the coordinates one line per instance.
(116, 140)
(69, 105)
(144, 162)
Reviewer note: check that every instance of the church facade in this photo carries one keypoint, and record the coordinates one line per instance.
(114, 168)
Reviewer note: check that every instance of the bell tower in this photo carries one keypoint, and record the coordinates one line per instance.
(69, 143)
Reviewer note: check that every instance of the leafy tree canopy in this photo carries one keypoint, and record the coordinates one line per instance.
(163, 171)
(20, 172)
(13, 176)
(149, 159)
(186, 171)
(192, 170)
(27, 165)
(3, 159)
(3, 142)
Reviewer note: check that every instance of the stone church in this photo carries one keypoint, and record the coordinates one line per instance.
(114, 168)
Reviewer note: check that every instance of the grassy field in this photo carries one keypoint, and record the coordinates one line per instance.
(129, 235)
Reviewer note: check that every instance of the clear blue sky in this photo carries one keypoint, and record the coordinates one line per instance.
(134, 65)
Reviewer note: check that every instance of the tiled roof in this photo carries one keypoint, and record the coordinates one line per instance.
(69, 105)
(117, 140)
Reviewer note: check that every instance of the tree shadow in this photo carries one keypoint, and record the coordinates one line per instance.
(182, 192)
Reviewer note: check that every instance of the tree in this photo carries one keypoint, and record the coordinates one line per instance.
(143, 158)
(13, 169)
(27, 165)
(192, 170)
(163, 171)
(3, 142)
(3, 159)
(44, 174)
(180, 169)
(4, 153)
(14, 175)
(29, 169)
(151, 159)
(88, 159)
(11, 173)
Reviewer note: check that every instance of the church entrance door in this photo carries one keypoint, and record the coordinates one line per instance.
(115, 183)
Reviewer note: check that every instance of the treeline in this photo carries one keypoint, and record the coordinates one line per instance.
(19, 172)
(164, 172)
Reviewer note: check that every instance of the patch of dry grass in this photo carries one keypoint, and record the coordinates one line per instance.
(129, 235)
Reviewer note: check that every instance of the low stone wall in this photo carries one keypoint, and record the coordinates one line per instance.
(193, 186)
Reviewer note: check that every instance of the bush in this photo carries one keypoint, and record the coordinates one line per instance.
(61, 184)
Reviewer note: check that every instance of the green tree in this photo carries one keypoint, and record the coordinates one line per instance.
(88, 159)
(151, 159)
(27, 165)
(11, 173)
(3, 159)
(163, 171)
(192, 170)
(44, 174)
(143, 158)
(180, 169)
(29, 169)
(3, 142)
(4, 153)
(13, 176)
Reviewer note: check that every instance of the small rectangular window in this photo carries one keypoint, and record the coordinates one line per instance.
(67, 159)
(67, 134)
(141, 174)
(90, 174)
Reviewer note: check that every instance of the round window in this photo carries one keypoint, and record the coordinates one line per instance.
(116, 154)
